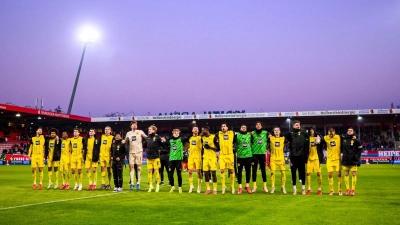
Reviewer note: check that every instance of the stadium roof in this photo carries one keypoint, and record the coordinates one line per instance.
(8, 113)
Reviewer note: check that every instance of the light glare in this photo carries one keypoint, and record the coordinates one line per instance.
(88, 35)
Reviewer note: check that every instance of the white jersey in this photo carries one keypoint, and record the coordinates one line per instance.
(135, 141)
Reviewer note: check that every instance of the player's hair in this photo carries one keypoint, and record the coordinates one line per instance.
(76, 129)
(226, 124)
(277, 127)
(153, 127)
(92, 129)
(108, 127)
(262, 124)
(243, 125)
(296, 121)
(195, 126)
(39, 128)
(133, 122)
(331, 129)
(53, 130)
(177, 130)
(350, 128)
(206, 128)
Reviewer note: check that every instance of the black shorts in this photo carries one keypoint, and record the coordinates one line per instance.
(244, 161)
(176, 164)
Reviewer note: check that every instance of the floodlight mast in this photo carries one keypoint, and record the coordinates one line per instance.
(86, 38)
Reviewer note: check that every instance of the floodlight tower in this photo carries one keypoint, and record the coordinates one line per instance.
(88, 36)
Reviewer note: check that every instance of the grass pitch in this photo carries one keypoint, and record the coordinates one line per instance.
(376, 202)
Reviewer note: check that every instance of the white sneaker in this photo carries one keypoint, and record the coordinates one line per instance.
(157, 188)
(283, 190)
(272, 190)
(49, 186)
(294, 191)
(191, 189)
(180, 190)
(265, 189)
(150, 188)
(80, 188)
(223, 190)
(233, 191)
(254, 189)
(76, 187)
(119, 190)
(172, 189)
(198, 189)
(56, 186)
(303, 191)
(115, 190)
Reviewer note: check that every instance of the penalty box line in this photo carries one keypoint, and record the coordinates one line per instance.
(57, 201)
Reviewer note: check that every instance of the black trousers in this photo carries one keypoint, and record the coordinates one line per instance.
(246, 163)
(175, 164)
(164, 164)
(118, 169)
(259, 159)
(297, 164)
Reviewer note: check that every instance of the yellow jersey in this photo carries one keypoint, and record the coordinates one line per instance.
(77, 147)
(66, 150)
(209, 153)
(90, 144)
(105, 147)
(226, 142)
(195, 147)
(277, 148)
(313, 149)
(36, 147)
(332, 147)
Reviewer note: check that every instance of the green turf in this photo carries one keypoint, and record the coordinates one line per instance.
(376, 202)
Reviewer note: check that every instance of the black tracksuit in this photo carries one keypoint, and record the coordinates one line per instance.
(118, 151)
(153, 144)
(351, 149)
(164, 160)
(95, 151)
(299, 150)
(56, 152)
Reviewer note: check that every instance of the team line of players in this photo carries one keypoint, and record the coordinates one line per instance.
(250, 149)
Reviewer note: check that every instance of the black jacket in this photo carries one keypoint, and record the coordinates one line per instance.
(164, 154)
(57, 149)
(118, 150)
(96, 149)
(351, 149)
(298, 143)
(153, 145)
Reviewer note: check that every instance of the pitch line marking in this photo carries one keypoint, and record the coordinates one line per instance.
(56, 201)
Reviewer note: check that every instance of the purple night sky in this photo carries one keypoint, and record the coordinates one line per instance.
(165, 56)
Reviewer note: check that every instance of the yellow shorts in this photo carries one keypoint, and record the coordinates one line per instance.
(210, 164)
(153, 164)
(89, 164)
(53, 163)
(37, 161)
(274, 163)
(194, 162)
(226, 162)
(350, 168)
(105, 161)
(136, 158)
(333, 165)
(313, 166)
(76, 163)
(65, 165)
